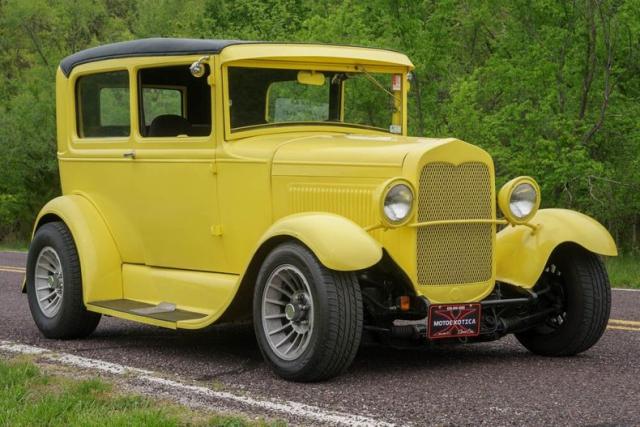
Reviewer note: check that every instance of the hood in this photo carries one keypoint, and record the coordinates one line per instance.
(335, 154)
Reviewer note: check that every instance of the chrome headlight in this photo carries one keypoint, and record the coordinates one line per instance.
(397, 202)
(519, 199)
(523, 200)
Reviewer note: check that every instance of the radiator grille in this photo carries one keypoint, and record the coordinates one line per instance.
(454, 253)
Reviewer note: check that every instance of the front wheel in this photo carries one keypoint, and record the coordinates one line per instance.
(307, 318)
(578, 281)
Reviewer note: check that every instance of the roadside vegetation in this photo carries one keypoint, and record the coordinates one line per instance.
(549, 88)
(12, 245)
(624, 271)
(29, 397)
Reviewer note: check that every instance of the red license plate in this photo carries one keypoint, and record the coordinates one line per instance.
(454, 320)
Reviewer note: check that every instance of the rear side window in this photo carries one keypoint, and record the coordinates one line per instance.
(102, 107)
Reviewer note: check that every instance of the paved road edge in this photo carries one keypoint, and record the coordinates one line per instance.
(289, 408)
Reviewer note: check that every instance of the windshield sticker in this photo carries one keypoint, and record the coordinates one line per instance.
(396, 82)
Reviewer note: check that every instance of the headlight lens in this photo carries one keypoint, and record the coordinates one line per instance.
(524, 198)
(519, 199)
(398, 203)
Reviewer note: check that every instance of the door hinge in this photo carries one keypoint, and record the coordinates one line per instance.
(213, 168)
(216, 230)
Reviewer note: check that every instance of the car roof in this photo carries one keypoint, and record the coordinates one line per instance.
(178, 46)
(145, 47)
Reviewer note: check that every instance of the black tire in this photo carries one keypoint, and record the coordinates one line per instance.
(336, 317)
(584, 288)
(72, 320)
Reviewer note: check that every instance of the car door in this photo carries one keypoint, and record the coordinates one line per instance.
(174, 188)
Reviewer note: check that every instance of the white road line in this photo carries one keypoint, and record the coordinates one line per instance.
(12, 270)
(287, 407)
(626, 289)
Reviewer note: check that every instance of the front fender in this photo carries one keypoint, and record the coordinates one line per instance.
(339, 243)
(100, 261)
(522, 254)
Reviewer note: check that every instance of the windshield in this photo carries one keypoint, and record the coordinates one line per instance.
(269, 97)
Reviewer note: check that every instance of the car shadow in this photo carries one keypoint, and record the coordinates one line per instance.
(231, 348)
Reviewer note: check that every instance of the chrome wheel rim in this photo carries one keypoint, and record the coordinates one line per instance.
(287, 312)
(49, 281)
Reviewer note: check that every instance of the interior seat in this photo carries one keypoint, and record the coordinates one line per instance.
(169, 125)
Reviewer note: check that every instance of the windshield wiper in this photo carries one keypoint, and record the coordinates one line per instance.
(374, 81)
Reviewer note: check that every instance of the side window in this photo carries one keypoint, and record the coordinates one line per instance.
(174, 102)
(102, 105)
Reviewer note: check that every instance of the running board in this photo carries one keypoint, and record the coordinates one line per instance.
(164, 311)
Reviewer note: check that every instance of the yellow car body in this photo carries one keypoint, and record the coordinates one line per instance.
(190, 220)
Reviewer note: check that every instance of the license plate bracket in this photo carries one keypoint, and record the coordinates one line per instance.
(454, 320)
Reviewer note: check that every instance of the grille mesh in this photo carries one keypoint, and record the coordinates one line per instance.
(454, 253)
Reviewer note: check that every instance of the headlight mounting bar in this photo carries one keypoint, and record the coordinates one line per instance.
(533, 227)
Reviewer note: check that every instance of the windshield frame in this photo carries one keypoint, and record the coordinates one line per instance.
(270, 128)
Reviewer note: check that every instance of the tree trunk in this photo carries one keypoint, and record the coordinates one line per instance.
(590, 60)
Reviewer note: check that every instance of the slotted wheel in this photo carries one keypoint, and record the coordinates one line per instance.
(307, 318)
(54, 284)
(49, 281)
(287, 312)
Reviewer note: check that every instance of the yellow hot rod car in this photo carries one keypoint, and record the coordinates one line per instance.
(207, 181)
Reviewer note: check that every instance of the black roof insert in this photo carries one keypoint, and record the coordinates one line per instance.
(146, 47)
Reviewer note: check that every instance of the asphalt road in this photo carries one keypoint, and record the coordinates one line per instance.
(496, 383)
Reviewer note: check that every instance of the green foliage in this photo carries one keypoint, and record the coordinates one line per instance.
(290, 101)
(549, 87)
(160, 101)
(365, 101)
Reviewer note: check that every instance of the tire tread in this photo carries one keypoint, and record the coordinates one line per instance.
(339, 344)
(74, 321)
(591, 276)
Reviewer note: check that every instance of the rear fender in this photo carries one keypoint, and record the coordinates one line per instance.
(100, 260)
(522, 253)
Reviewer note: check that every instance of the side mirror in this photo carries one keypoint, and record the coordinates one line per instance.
(310, 78)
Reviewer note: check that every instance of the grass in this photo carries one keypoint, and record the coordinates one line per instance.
(13, 245)
(29, 397)
(624, 271)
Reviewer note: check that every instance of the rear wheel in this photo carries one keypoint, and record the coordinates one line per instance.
(54, 285)
(307, 318)
(580, 286)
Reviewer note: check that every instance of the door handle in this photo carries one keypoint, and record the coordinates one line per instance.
(129, 154)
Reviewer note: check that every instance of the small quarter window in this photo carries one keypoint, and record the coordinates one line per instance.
(103, 105)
